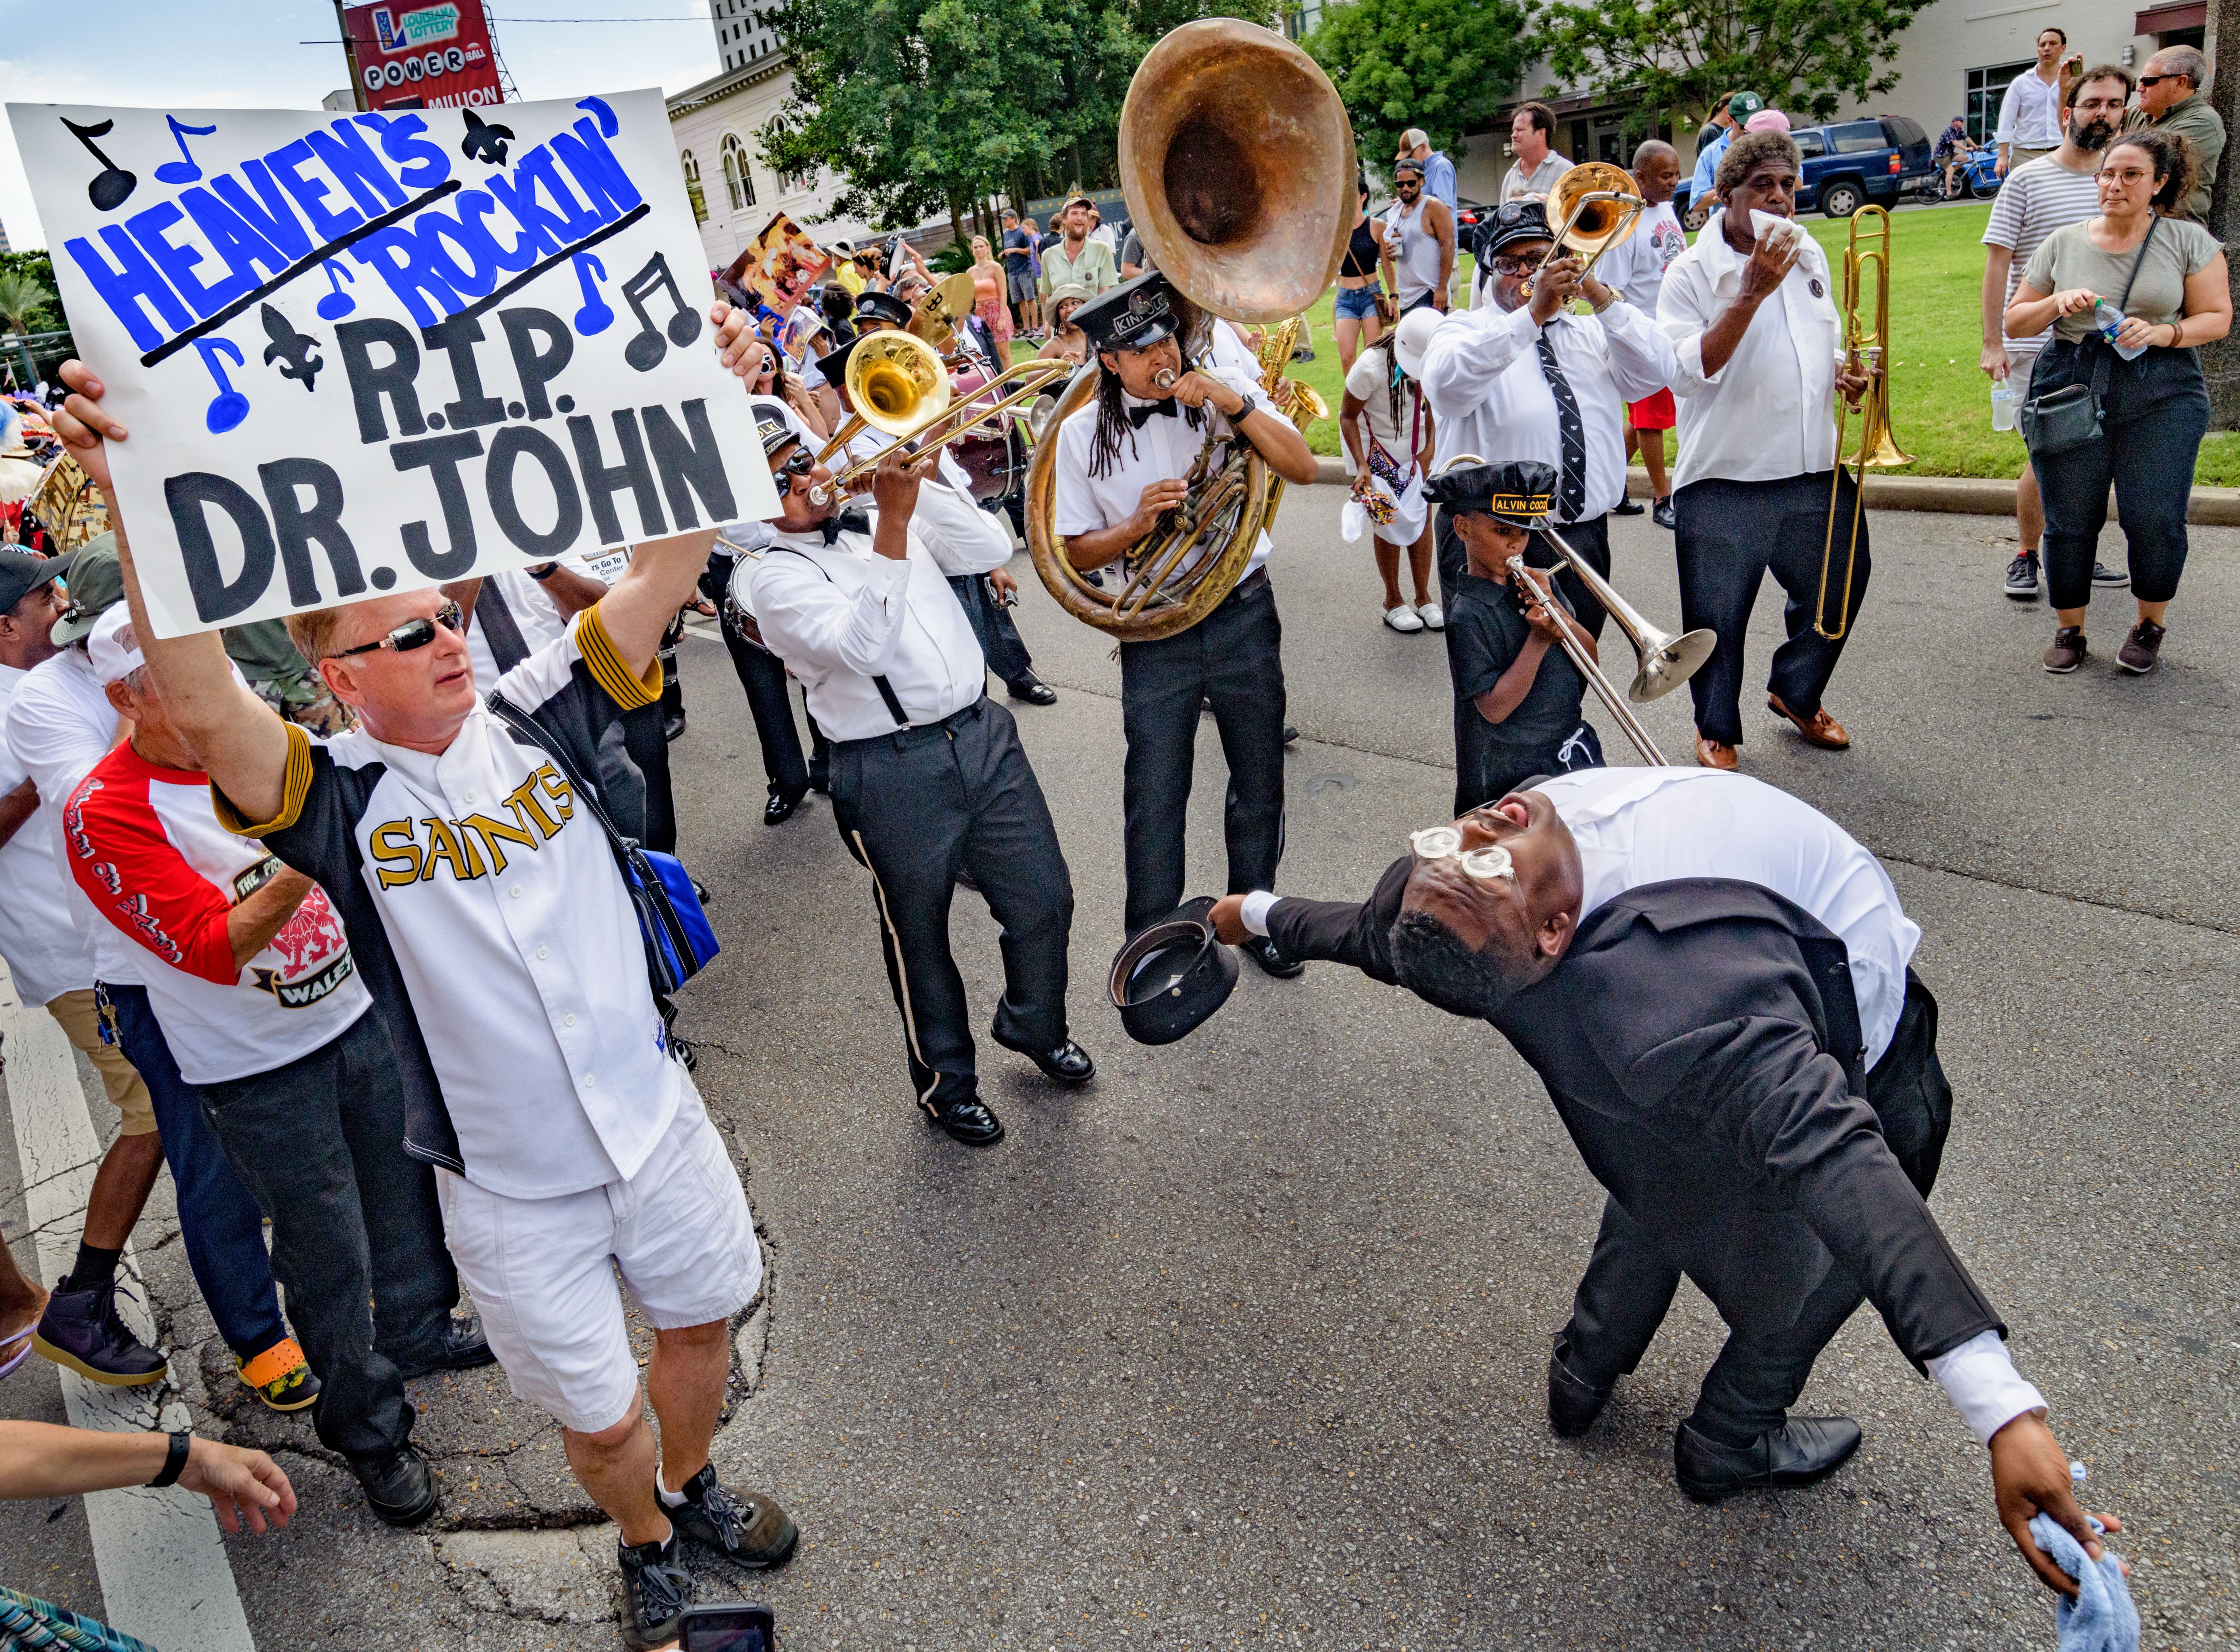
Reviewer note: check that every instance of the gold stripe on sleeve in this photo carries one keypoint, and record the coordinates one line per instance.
(606, 664)
(294, 789)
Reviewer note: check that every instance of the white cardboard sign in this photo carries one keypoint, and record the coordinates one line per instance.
(368, 353)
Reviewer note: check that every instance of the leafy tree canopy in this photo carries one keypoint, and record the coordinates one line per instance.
(1444, 65)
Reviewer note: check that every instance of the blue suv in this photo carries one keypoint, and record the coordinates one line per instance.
(1851, 163)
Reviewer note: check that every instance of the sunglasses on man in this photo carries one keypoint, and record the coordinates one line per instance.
(414, 633)
(2146, 81)
(800, 464)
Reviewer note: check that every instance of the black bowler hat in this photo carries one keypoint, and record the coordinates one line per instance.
(1132, 315)
(1517, 492)
(1172, 976)
(1512, 223)
(883, 306)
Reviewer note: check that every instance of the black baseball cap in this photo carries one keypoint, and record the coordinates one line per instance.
(1517, 492)
(1513, 224)
(22, 573)
(1132, 315)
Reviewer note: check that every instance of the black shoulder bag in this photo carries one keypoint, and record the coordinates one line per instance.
(2070, 416)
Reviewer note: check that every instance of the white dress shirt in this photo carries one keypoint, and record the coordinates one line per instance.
(963, 538)
(2030, 113)
(46, 953)
(842, 615)
(1163, 450)
(1482, 377)
(1768, 414)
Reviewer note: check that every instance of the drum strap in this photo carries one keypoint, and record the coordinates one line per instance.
(886, 688)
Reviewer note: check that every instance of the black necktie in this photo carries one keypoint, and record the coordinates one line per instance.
(851, 521)
(1163, 409)
(1571, 489)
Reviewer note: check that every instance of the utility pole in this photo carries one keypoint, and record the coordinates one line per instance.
(2220, 362)
(349, 55)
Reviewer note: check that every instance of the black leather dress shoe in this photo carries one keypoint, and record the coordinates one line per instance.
(1068, 1064)
(780, 808)
(673, 728)
(461, 1348)
(398, 1487)
(968, 1119)
(1628, 508)
(1573, 1403)
(1031, 688)
(1801, 1451)
(1264, 951)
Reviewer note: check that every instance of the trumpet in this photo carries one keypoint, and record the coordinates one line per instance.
(1865, 346)
(1600, 210)
(898, 385)
(1664, 662)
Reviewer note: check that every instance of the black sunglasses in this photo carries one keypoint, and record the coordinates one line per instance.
(800, 464)
(414, 633)
(2156, 80)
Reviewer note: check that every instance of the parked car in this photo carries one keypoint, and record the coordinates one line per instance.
(1875, 159)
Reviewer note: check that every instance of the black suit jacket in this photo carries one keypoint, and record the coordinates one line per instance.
(1701, 1042)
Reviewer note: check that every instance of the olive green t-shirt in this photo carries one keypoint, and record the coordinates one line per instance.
(2067, 258)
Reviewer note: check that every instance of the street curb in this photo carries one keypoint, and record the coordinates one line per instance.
(1956, 495)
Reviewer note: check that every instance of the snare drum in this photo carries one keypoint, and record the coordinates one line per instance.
(739, 601)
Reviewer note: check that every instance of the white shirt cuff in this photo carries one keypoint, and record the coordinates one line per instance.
(1256, 911)
(1983, 1386)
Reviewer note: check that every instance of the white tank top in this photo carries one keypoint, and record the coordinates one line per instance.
(1415, 266)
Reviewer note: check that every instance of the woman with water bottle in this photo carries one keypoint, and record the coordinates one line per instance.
(2129, 294)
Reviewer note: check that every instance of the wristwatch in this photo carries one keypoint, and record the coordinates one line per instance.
(175, 1461)
(1251, 406)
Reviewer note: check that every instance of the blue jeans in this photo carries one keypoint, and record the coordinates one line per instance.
(1358, 303)
(2153, 417)
(219, 1224)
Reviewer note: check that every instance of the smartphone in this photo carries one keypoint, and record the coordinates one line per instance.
(737, 1628)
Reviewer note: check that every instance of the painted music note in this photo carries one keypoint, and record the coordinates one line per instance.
(186, 170)
(644, 352)
(597, 316)
(337, 303)
(111, 187)
(229, 407)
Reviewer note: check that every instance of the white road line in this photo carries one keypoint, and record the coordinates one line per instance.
(705, 633)
(164, 1574)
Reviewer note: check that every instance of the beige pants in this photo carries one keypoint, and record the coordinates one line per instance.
(2016, 156)
(81, 1023)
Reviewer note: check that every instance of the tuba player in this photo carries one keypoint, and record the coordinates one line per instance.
(1175, 380)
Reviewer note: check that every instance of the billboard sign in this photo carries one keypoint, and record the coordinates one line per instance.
(423, 57)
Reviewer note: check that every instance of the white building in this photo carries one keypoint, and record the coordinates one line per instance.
(716, 125)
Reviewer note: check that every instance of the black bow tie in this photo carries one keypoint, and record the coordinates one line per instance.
(1161, 410)
(849, 521)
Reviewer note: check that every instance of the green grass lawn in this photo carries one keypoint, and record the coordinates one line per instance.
(1940, 401)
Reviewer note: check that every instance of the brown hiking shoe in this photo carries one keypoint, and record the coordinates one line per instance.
(2141, 648)
(2067, 651)
(1819, 730)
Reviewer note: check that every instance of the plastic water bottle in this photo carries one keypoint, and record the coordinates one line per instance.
(2003, 405)
(2108, 318)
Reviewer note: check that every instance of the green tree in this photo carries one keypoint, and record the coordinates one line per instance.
(1675, 57)
(1444, 65)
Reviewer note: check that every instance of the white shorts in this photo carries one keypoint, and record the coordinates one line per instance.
(543, 1270)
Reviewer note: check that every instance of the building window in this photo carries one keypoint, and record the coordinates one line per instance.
(1985, 88)
(693, 187)
(738, 176)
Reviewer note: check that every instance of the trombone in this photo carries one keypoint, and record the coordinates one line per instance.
(1600, 210)
(1863, 347)
(1664, 662)
(897, 383)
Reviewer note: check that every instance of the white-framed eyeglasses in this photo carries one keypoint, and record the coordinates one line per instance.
(1486, 862)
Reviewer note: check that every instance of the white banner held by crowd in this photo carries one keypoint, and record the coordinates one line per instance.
(372, 353)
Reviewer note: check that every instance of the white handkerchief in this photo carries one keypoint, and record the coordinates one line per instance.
(1781, 230)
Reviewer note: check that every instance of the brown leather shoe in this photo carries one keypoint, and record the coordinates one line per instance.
(1717, 754)
(1819, 730)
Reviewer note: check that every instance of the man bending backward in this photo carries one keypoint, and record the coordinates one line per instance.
(490, 925)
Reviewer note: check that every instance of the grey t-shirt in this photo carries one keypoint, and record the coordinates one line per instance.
(2067, 258)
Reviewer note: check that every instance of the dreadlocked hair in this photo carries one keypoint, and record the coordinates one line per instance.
(1193, 330)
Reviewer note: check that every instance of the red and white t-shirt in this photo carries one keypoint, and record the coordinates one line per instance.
(144, 845)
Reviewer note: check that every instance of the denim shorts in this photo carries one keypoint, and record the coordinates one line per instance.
(1358, 303)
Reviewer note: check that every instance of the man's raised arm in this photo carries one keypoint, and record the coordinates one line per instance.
(239, 740)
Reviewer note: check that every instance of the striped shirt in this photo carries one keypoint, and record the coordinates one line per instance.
(2037, 198)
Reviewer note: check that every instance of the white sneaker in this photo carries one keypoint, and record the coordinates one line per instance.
(1434, 616)
(1404, 618)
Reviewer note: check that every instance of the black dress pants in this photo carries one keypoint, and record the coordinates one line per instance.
(1730, 536)
(762, 675)
(1000, 642)
(319, 1143)
(1783, 1296)
(917, 806)
(1590, 538)
(1233, 657)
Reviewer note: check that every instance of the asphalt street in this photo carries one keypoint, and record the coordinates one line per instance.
(1245, 1343)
